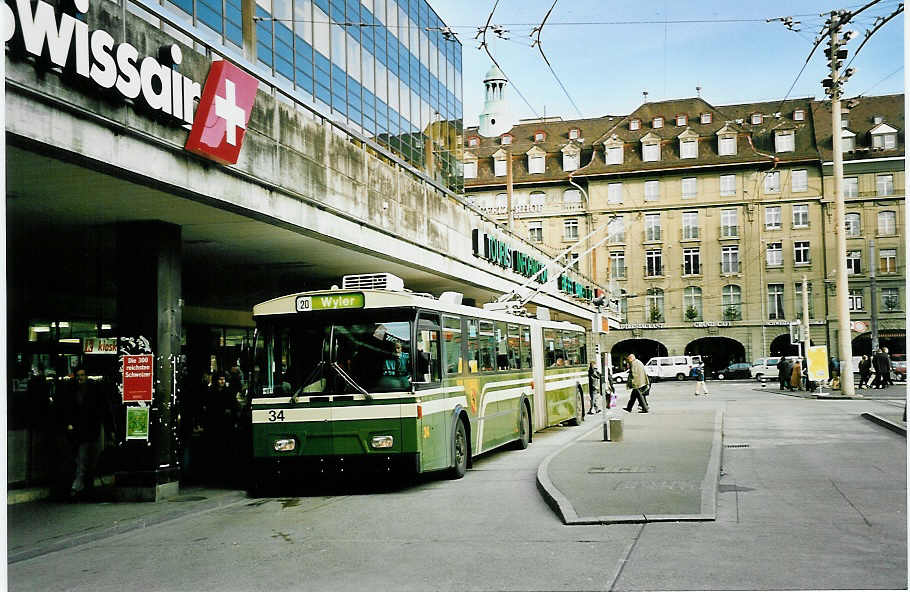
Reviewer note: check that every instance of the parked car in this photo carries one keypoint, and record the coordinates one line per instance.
(670, 367)
(737, 370)
(899, 369)
(620, 376)
(764, 369)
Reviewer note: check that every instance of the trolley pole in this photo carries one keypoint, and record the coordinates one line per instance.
(805, 324)
(873, 297)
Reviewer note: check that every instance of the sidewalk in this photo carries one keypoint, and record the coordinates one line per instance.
(897, 391)
(41, 527)
(666, 468)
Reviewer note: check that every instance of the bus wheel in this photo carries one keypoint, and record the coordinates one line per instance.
(579, 410)
(459, 451)
(524, 428)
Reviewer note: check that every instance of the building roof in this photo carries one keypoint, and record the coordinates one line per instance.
(860, 121)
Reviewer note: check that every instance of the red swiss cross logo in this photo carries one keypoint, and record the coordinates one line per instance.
(223, 112)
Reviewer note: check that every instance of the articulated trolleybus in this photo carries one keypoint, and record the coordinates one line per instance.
(371, 376)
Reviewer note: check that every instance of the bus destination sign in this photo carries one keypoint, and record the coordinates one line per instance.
(330, 302)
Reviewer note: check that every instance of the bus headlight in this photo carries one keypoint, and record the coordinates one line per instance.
(382, 442)
(285, 445)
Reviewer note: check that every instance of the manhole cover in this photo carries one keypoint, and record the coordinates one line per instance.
(188, 498)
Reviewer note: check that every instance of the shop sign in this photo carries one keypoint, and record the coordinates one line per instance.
(64, 41)
(137, 423)
(573, 288)
(706, 324)
(137, 378)
(502, 254)
(642, 326)
(100, 345)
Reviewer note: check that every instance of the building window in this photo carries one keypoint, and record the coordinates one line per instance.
(634, 124)
(506, 139)
(726, 145)
(540, 136)
(884, 185)
(570, 229)
(729, 259)
(473, 142)
(470, 169)
(799, 181)
(571, 199)
(847, 141)
(801, 216)
(887, 223)
(731, 303)
(689, 188)
(652, 227)
(614, 154)
(851, 187)
(692, 310)
(774, 256)
(772, 218)
(690, 225)
(801, 253)
(616, 230)
(691, 261)
(799, 115)
(536, 164)
(653, 263)
(499, 168)
(575, 260)
(655, 303)
(772, 182)
(681, 120)
(884, 141)
(538, 198)
(727, 185)
(756, 118)
(573, 133)
(688, 149)
(614, 193)
(887, 260)
(854, 262)
(618, 265)
(570, 161)
(776, 301)
(798, 300)
(852, 225)
(784, 142)
(855, 298)
(652, 190)
(890, 299)
(535, 231)
(706, 118)
(502, 201)
(729, 223)
(658, 122)
(650, 152)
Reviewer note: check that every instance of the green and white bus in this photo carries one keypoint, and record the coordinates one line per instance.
(371, 376)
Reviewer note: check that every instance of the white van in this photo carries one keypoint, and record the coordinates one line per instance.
(765, 368)
(669, 367)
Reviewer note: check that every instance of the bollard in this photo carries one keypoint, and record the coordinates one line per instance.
(612, 429)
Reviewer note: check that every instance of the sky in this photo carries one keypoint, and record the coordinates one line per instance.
(607, 52)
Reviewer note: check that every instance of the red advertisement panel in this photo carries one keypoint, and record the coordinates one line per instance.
(138, 372)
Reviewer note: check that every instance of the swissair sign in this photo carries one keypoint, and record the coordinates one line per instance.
(223, 112)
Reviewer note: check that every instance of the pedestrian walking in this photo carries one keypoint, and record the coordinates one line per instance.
(888, 381)
(882, 368)
(593, 388)
(796, 376)
(701, 388)
(865, 371)
(639, 383)
(83, 409)
(783, 373)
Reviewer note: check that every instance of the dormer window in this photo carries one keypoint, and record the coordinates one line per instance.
(706, 118)
(847, 141)
(726, 141)
(574, 133)
(634, 124)
(571, 156)
(681, 120)
(499, 163)
(536, 161)
(688, 144)
(473, 141)
(613, 151)
(506, 139)
(799, 115)
(650, 148)
(884, 137)
(877, 119)
(470, 167)
(784, 141)
(756, 119)
(657, 122)
(540, 136)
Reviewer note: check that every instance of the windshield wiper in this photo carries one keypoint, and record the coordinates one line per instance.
(309, 380)
(351, 382)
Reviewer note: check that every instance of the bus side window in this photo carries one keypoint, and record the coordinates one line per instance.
(473, 346)
(428, 358)
(514, 349)
(502, 346)
(487, 346)
(452, 335)
(570, 346)
(552, 348)
(525, 346)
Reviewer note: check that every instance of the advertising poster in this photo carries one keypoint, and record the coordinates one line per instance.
(818, 362)
(137, 378)
(137, 423)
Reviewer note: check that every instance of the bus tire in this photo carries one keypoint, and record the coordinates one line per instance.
(459, 451)
(524, 427)
(579, 408)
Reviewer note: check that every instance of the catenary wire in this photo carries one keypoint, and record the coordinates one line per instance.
(538, 30)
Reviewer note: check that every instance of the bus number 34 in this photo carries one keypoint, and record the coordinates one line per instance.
(276, 415)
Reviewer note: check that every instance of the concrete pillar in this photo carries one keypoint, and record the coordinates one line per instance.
(149, 303)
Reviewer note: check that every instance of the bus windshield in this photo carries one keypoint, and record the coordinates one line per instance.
(335, 353)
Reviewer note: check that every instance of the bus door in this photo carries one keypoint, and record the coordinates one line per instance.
(540, 395)
(435, 427)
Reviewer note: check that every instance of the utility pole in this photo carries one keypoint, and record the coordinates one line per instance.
(805, 324)
(511, 223)
(873, 323)
(834, 89)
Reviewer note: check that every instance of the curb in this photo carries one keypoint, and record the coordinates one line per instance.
(891, 425)
(221, 501)
(563, 507)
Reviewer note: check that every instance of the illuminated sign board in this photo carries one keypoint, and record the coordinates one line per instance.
(330, 302)
(502, 254)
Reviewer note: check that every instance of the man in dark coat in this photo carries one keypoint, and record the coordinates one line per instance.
(84, 414)
(594, 388)
(882, 369)
(865, 371)
(783, 373)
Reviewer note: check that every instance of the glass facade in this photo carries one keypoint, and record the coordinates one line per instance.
(383, 67)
